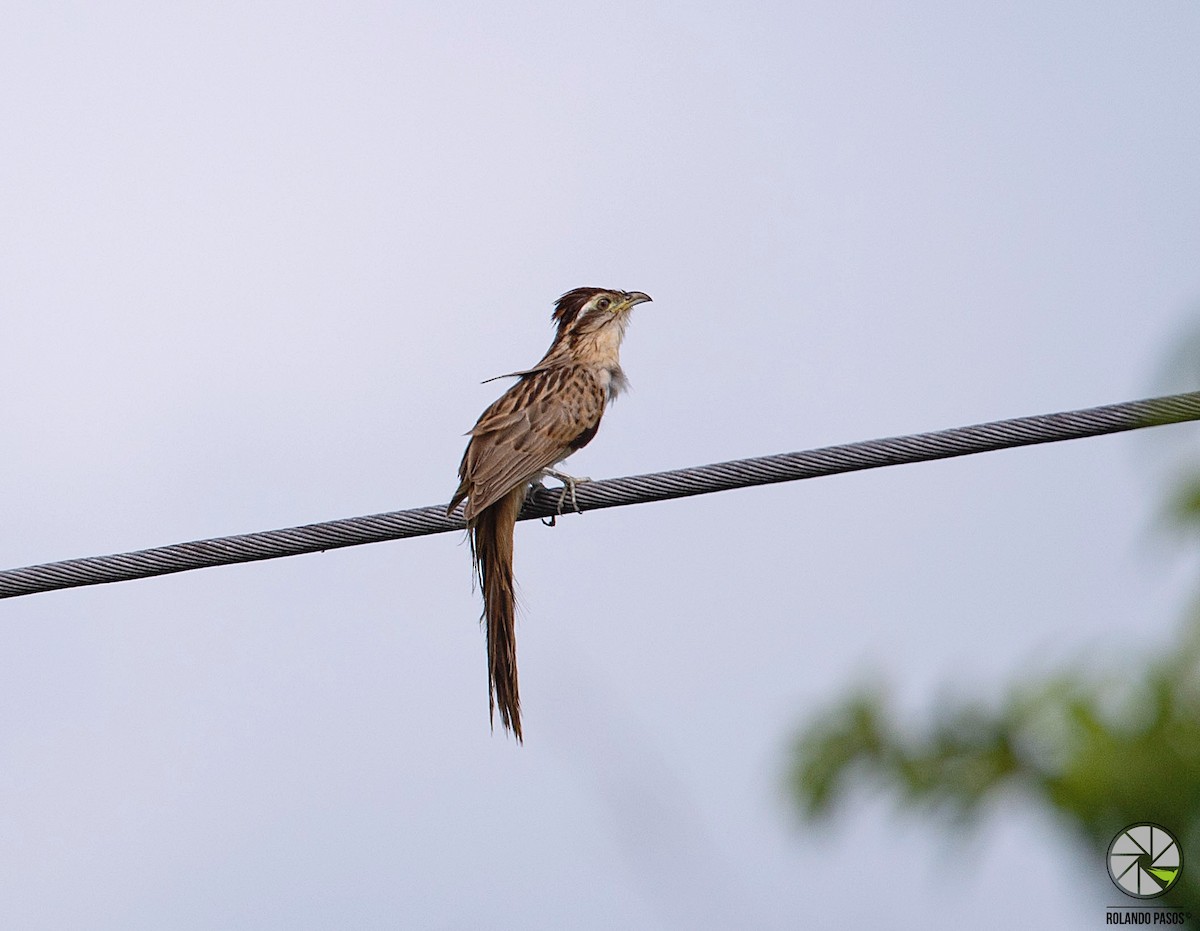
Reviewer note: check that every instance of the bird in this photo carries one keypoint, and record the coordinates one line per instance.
(551, 411)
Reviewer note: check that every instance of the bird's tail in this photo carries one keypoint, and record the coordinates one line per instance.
(492, 551)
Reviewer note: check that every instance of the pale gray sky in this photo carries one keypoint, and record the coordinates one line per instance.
(257, 258)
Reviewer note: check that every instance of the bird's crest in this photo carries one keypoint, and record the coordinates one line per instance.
(568, 307)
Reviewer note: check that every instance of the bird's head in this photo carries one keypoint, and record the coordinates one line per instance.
(588, 310)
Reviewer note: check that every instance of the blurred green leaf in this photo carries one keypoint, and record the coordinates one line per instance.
(1103, 750)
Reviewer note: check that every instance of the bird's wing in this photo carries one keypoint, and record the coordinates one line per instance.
(536, 423)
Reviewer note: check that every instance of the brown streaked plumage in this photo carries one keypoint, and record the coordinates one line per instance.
(553, 410)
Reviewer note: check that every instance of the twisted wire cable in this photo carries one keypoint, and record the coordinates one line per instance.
(616, 492)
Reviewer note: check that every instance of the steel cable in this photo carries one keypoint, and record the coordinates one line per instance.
(616, 492)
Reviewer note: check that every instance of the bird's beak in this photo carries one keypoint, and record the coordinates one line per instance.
(635, 297)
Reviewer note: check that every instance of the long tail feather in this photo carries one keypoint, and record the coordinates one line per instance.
(492, 551)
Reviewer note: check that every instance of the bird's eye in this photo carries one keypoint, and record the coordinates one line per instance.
(603, 303)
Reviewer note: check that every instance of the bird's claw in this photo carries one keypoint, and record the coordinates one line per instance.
(535, 486)
(568, 488)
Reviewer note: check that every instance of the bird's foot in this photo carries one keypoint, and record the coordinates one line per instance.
(535, 485)
(568, 488)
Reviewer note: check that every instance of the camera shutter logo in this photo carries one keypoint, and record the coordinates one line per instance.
(1144, 860)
